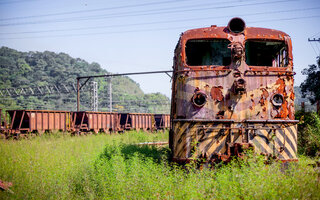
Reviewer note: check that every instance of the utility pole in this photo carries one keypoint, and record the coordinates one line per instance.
(314, 40)
(110, 94)
(318, 101)
(94, 96)
(78, 94)
(110, 86)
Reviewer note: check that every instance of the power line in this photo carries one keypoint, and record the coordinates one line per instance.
(14, 2)
(112, 8)
(159, 22)
(165, 11)
(151, 29)
(140, 14)
(314, 35)
(92, 10)
(286, 19)
(314, 40)
(313, 49)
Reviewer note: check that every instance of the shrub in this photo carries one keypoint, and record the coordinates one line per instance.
(308, 133)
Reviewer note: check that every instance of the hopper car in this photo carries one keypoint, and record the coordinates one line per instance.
(26, 122)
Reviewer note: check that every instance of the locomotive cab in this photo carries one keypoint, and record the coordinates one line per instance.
(232, 89)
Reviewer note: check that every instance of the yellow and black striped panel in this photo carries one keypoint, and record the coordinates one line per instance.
(196, 139)
(286, 140)
(277, 140)
(202, 140)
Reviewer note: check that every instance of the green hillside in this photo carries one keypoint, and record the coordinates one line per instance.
(41, 69)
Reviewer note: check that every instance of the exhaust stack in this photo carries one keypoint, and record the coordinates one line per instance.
(236, 25)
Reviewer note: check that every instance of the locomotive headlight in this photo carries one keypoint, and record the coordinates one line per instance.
(277, 100)
(199, 99)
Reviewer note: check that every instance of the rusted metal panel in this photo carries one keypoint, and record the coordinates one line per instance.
(162, 121)
(95, 121)
(167, 124)
(23, 121)
(137, 121)
(207, 96)
(45, 120)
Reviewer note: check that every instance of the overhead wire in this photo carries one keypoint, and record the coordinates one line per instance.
(158, 22)
(315, 35)
(140, 14)
(285, 19)
(14, 2)
(92, 10)
(147, 30)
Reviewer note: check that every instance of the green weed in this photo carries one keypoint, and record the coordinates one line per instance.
(115, 167)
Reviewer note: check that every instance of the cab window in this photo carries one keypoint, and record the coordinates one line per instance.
(200, 52)
(266, 53)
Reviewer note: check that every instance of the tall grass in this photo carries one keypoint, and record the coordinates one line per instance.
(44, 167)
(308, 133)
(131, 172)
(114, 167)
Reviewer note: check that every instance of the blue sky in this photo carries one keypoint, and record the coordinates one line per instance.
(132, 36)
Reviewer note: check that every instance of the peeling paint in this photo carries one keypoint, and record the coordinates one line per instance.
(238, 93)
(216, 93)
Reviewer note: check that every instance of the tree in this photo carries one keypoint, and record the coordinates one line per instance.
(310, 88)
(33, 69)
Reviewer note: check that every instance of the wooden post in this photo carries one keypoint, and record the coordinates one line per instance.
(302, 106)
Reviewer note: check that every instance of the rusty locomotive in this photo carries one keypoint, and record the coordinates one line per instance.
(232, 89)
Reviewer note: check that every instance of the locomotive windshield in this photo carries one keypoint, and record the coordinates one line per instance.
(266, 53)
(201, 52)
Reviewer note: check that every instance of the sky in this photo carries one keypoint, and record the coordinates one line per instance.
(135, 36)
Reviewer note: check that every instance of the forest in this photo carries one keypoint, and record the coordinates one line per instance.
(48, 69)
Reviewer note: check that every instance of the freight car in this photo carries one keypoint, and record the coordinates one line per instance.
(24, 122)
(38, 121)
(162, 121)
(89, 121)
(3, 124)
(232, 89)
(137, 121)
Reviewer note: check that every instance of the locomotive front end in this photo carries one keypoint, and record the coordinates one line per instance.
(232, 90)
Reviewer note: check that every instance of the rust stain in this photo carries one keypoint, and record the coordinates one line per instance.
(261, 101)
(265, 93)
(257, 85)
(292, 95)
(264, 96)
(283, 112)
(216, 93)
(281, 87)
(252, 103)
(291, 111)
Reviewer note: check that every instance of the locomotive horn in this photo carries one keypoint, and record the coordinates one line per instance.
(236, 25)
